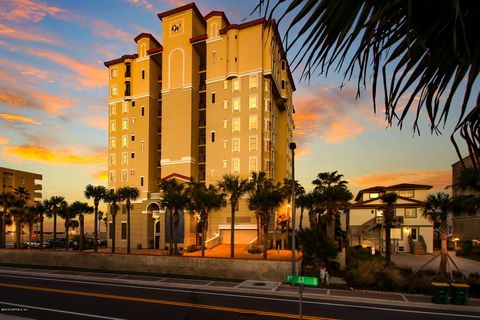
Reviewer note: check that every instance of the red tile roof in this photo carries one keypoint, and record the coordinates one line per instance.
(217, 13)
(180, 9)
(147, 35)
(119, 60)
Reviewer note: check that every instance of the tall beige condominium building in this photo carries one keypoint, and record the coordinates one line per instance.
(214, 99)
(12, 179)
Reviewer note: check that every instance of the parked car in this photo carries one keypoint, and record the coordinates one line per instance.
(60, 242)
(36, 244)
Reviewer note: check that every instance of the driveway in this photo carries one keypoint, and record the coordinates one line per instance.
(466, 266)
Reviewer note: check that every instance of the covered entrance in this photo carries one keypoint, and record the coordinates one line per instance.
(154, 209)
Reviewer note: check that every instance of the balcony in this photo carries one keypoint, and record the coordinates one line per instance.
(38, 187)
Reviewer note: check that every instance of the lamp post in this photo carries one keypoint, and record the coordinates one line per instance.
(293, 146)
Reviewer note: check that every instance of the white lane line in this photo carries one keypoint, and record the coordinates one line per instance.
(59, 311)
(404, 298)
(257, 297)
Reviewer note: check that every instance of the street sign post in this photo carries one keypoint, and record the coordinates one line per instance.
(302, 280)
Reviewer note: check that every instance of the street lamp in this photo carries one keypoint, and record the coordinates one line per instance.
(293, 146)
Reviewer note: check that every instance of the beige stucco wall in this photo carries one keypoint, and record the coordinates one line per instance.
(203, 267)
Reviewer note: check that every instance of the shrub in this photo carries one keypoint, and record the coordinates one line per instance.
(316, 247)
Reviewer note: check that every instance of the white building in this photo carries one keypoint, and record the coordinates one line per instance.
(411, 231)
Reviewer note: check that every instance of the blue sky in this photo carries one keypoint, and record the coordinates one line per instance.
(53, 101)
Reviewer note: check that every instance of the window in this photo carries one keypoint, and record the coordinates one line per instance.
(225, 163)
(252, 122)
(132, 155)
(142, 145)
(125, 141)
(112, 110)
(112, 126)
(252, 143)
(124, 124)
(283, 65)
(214, 31)
(143, 111)
(125, 107)
(214, 57)
(143, 50)
(112, 143)
(225, 143)
(114, 72)
(266, 84)
(112, 159)
(406, 193)
(236, 84)
(133, 103)
(266, 166)
(252, 163)
(236, 145)
(410, 212)
(225, 84)
(114, 91)
(132, 120)
(213, 97)
(111, 176)
(143, 74)
(374, 195)
(141, 181)
(124, 158)
(268, 105)
(235, 124)
(213, 136)
(236, 104)
(132, 138)
(236, 59)
(132, 172)
(283, 84)
(225, 123)
(124, 176)
(252, 101)
(253, 81)
(127, 88)
(124, 230)
(225, 104)
(236, 165)
(267, 145)
(267, 125)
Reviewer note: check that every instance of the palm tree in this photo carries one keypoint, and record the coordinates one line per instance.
(100, 217)
(436, 209)
(236, 187)
(302, 203)
(6, 202)
(67, 213)
(41, 209)
(54, 204)
(21, 197)
(128, 194)
(287, 191)
(389, 199)
(80, 209)
(34, 215)
(98, 194)
(257, 180)
(427, 50)
(174, 200)
(265, 200)
(333, 196)
(113, 198)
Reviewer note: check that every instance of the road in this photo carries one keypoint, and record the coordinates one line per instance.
(44, 297)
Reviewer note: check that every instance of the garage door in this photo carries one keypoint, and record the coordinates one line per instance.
(241, 236)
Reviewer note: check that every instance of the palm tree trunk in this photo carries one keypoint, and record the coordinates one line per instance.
(203, 238)
(82, 226)
(443, 252)
(232, 230)
(67, 223)
(312, 218)
(113, 232)
(41, 231)
(95, 230)
(301, 218)
(30, 228)
(265, 233)
(331, 226)
(128, 226)
(175, 231)
(18, 232)
(170, 246)
(258, 227)
(3, 229)
(54, 230)
(388, 246)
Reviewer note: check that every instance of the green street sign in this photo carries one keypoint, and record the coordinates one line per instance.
(306, 281)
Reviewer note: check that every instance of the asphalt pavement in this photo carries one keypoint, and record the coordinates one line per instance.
(62, 294)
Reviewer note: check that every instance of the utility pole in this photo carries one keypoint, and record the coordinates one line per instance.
(293, 146)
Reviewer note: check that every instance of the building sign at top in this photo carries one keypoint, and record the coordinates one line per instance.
(176, 27)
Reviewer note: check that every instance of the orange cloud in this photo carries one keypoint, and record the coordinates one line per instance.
(35, 99)
(4, 140)
(26, 10)
(439, 179)
(52, 156)
(97, 122)
(332, 115)
(144, 3)
(89, 76)
(26, 70)
(106, 30)
(100, 175)
(17, 118)
(9, 32)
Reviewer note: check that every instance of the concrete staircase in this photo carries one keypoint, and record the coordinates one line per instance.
(418, 247)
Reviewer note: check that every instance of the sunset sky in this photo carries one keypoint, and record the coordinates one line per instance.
(53, 101)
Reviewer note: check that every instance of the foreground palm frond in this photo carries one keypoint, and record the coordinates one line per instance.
(426, 51)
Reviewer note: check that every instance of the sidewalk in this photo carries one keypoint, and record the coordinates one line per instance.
(250, 286)
(466, 266)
